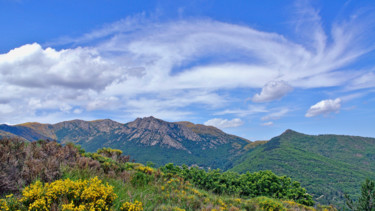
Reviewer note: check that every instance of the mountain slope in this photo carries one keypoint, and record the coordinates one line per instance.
(327, 165)
(145, 139)
(21, 132)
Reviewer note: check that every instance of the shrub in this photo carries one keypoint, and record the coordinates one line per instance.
(24, 162)
(262, 183)
(141, 179)
(128, 206)
(3, 205)
(270, 204)
(70, 195)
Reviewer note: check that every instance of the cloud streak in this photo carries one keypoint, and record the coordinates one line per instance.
(224, 123)
(144, 67)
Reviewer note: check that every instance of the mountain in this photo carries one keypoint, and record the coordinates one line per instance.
(21, 132)
(327, 165)
(144, 139)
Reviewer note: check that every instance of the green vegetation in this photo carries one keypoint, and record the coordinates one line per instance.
(366, 202)
(83, 181)
(326, 165)
(263, 183)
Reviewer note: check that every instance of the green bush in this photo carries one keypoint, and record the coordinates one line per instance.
(141, 179)
(262, 183)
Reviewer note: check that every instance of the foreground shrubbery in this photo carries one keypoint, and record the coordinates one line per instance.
(105, 180)
(22, 162)
(67, 195)
(263, 183)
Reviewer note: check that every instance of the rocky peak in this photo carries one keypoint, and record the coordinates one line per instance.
(103, 125)
(149, 123)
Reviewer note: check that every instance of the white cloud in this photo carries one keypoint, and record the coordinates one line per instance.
(252, 109)
(276, 115)
(224, 123)
(324, 107)
(143, 67)
(31, 66)
(267, 124)
(363, 81)
(272, 91)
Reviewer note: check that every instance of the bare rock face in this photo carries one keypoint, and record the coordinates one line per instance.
(96, 126)
(152, 131)
(147, 131)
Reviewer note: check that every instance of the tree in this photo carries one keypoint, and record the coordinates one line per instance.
(366, 201)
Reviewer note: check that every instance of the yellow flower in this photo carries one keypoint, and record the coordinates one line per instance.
(128, 206)
(87, 195)
(3, 205)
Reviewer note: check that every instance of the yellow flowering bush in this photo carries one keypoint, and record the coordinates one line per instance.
(269, 204)
(71, 195)
(145, 169)
(128, 206)
(3, 205)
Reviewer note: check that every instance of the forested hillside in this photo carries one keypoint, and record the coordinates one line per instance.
(327, 165)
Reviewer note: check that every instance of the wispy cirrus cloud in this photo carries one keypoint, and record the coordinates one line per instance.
(178, 64)
(224, 123)
(276, 115)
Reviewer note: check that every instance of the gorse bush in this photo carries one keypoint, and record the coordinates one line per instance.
(263, 183)
(111, 160)
(69, 195)
(66, 194)
(264, 203)
(128, 206)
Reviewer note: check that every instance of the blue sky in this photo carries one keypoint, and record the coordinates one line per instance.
(251, 68)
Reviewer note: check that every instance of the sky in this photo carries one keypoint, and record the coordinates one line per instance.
(251, 68)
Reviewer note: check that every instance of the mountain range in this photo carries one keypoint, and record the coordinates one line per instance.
(144, 139)
(327, 165)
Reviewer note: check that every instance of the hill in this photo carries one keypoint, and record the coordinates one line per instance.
(46, 175)
(144, 139)
(327, 165)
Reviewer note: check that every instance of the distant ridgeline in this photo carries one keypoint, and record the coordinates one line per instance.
(145, 139)
(327, 165)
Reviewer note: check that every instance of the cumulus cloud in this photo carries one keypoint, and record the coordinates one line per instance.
(139, 66)
(272, 91)
(224, 123)
(324, 107)
(31, 66)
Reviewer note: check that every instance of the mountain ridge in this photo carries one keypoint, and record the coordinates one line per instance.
(144, 139)
(327, 165)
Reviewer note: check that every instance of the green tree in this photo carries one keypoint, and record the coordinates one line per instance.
(366, 201)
